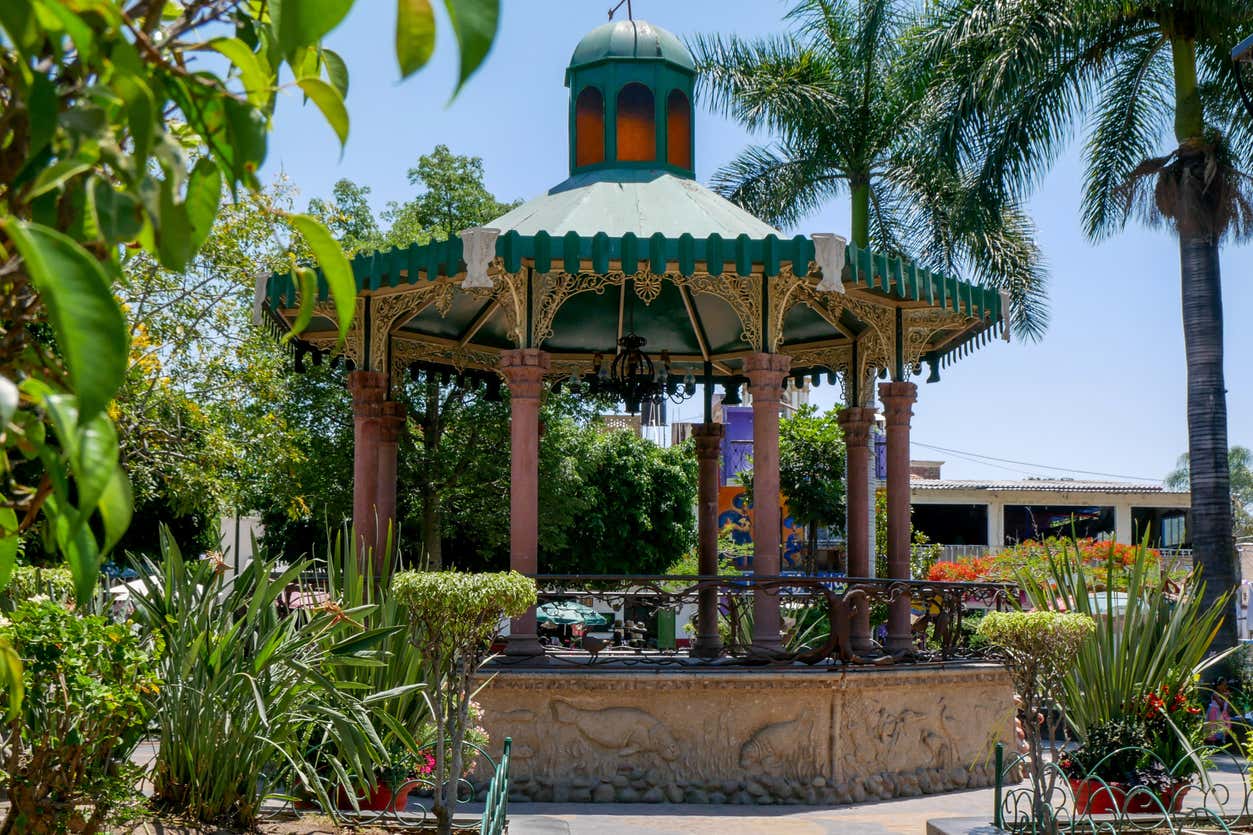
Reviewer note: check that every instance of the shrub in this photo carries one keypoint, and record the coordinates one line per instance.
(251, 701)
(29, 581)
(67, 749)
(1037, 647)
(454, 618)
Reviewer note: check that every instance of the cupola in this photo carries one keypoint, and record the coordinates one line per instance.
(631, 100)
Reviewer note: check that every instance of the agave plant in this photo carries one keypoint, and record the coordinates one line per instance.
(391, 688)
(1161, 640)
(251, 703)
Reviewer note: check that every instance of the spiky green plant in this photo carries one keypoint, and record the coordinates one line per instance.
(390, 689)
(250, 703)
(1160, 640)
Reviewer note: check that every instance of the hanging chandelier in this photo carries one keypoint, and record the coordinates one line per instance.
(636, 379)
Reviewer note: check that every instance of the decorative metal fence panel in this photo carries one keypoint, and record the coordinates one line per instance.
(822, 615)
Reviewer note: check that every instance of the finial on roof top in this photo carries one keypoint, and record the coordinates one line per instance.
(621, 3)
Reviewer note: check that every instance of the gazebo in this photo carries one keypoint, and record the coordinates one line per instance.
(632, 276)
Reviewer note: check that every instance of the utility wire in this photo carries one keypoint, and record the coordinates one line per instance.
(986, 458)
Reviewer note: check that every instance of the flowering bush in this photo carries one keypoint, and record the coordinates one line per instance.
(1103, 563)
(67, 749)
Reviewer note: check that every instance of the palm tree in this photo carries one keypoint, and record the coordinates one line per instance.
(1240, 467)
(1167, 141)
(839, 98)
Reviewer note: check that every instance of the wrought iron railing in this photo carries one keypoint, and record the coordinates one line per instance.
(1204, 789)
(825, 619)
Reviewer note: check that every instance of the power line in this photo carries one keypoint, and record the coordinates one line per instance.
(976, 455)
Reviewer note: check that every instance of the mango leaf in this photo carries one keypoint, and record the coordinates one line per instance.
(141, 114)
(8, 544)
(254, 75)
(80, 33)
(19, 23)
(8, 401)
(118, 214)
(89, 326)
(95, 462)
(336, 71)
(304, 22)
(204, 194)
(115, 507)
(42, 105)
(335, 267)
(235, 131)
(11, 677)
(83, 557)
(307, 284)
(173, 229)
(329, 101)
(60, 171)
(475, 23)
(415, 35)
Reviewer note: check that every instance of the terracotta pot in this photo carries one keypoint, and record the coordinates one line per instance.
(379, 800)
(1092, 797)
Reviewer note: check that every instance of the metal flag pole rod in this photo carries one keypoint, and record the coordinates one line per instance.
(622, 3)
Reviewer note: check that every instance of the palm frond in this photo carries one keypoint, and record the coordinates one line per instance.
(781, 184)
(764, 84)
(1130, 125)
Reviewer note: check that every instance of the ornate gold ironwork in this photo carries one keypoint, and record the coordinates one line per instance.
(409, 349)
(741, 292)
(923, 325)
(554, 288)
(354, 345)
(876, 346)
(387, 313)
(647, 286)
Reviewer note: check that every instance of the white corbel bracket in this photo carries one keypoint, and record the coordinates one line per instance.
(829, 255)
(479, 248)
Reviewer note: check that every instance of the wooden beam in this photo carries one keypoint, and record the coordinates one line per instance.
(486, 312)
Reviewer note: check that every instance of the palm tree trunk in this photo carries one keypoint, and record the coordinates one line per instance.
(1213, 547)
(860, 189)
(1212, 543)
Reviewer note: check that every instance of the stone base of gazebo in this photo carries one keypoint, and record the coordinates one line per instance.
(748, 736)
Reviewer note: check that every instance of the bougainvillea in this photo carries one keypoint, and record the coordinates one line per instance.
(1033, 558)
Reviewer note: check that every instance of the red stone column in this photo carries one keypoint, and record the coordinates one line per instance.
(524, 370)
(708, 437)
(369, 391)
(898, 401)
(766, 373)
(391, 424)
(856, 422)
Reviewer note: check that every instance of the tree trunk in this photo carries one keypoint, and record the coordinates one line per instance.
(432, 541)
(1212, 543)
(860, 189)
(432, 429)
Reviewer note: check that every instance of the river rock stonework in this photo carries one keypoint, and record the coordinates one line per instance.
(749, 736)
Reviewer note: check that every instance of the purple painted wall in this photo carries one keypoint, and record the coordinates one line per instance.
(737, 442)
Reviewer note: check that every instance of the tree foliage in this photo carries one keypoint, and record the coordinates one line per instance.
(100, 102)
(1240, 462)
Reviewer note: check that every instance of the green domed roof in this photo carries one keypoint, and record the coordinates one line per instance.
(631, 39)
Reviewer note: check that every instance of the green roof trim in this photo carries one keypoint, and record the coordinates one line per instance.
(743, 255)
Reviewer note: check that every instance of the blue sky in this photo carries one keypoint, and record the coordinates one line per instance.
(1104, 391)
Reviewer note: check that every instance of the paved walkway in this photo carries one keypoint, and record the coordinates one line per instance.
(896, 817)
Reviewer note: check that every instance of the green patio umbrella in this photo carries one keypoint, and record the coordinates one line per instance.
(568, 612)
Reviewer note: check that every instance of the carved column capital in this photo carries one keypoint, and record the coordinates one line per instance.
(856, 422)
(369, 390)
(898, 402)
(708, 438)
(524, 370)
(391, 421)
(766, 373)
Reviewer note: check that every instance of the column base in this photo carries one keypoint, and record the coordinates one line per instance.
(706, 646)
(523, 646)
